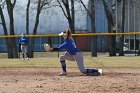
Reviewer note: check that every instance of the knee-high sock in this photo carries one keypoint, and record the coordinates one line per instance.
(26, 55)
(63, 64)
(22, 55)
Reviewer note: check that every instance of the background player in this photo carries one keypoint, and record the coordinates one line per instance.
(23, 43)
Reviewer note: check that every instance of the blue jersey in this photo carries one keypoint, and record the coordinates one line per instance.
(70, 46)
(23, 40)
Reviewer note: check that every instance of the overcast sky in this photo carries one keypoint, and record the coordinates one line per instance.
(51, 21)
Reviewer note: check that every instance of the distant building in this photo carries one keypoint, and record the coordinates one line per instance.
(100, 25)
(132, 21)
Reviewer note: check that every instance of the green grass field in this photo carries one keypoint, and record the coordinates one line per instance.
(53, 62)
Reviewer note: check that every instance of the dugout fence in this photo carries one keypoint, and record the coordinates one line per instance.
(83, 40)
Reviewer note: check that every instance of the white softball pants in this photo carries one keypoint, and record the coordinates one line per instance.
(24, 48)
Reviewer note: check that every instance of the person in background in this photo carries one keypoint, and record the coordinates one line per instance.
(23, 43)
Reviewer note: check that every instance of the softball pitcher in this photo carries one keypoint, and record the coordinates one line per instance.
(72, 54)
(23, 42)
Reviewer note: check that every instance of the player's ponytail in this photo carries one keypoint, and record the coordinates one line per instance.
(68, 33)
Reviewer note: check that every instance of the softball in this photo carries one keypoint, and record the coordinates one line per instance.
(46, 45)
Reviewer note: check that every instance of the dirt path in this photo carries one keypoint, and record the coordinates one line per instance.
(46, 80)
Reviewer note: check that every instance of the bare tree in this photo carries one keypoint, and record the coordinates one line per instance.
(121, 53)
(27, 17)
(91, 13)
(40, 5)
(69, 13)
(11, 43)
(137, 6)
(10, 7)
(112, 39)
(3, 23)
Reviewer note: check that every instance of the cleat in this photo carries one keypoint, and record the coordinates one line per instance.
(27, 58)
(100, 71)
(63, 74)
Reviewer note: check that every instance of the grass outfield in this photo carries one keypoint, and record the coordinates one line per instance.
(53, 62)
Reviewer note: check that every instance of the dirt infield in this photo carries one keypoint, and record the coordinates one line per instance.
(46, 80)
